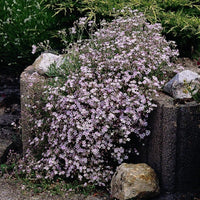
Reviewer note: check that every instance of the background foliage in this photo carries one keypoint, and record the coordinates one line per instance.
(179, 18)
(22, 24)
(26, 22)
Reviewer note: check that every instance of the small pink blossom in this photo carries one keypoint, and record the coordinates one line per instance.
(34, 49)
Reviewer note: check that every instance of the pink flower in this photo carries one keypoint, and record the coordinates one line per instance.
(34, 48)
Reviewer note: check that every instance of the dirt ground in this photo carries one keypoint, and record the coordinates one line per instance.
(11, 189)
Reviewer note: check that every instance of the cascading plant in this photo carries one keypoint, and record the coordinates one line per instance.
(95, 115)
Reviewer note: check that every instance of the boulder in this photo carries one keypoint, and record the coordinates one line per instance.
(134, 181)
(43, 62)
(177, 86)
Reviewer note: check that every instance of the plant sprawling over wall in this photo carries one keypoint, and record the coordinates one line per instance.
(96, 108)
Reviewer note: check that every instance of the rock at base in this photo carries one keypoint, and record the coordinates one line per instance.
(134, 181)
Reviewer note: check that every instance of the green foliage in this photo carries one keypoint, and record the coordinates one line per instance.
(22, 24)
(6, 168)
(91, 8)
(179, 18)
(194, 91)
(57, 187)
(196, 96)
(26, 22)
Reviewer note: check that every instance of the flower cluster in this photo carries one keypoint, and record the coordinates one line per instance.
(95, 117)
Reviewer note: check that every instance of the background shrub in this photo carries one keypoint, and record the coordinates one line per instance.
(95, 115)
(22, 24)
(180, 18)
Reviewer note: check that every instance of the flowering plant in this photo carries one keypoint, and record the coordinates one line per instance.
(95, 114)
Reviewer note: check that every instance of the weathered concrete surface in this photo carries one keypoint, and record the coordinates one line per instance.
(31, 84)
(32, 81)
(173, 148)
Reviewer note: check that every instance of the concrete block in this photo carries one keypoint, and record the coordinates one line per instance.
(31, 89)
(173, 148)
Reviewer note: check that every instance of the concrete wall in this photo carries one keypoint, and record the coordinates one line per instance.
(31, 84)
(174, 145)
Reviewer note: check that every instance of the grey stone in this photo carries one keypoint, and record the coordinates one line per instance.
(177, 86)
(134, 181)
(42, 63)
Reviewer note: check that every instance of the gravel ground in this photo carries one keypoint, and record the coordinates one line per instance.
(11, 189)
(15, 190)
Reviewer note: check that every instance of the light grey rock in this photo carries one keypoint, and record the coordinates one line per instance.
(134, 181)
(42, 63)
(177, 86)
